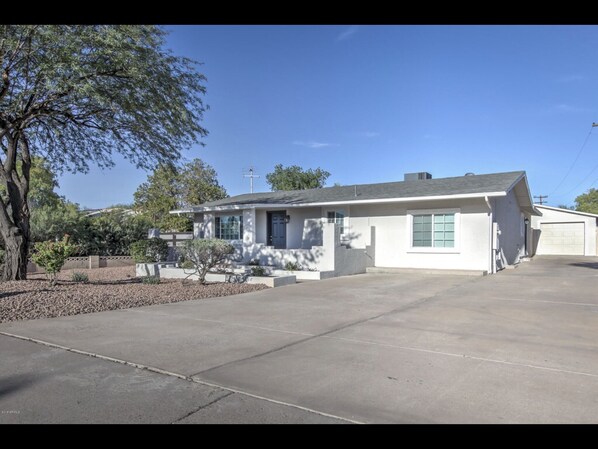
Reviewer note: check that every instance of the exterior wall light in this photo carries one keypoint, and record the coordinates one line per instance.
(287, 218)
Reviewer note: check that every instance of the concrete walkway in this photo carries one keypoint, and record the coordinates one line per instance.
(519, 346)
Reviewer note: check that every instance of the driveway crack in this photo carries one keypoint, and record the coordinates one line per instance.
(324, 334)
(202, 407)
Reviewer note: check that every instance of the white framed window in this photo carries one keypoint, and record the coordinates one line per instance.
(229, 227)
(434, 230)
(337, 216)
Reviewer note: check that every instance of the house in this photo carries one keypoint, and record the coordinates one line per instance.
(562, 231)
(471, 222)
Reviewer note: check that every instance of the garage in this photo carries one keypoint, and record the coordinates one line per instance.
(562, 239)
(557, 231)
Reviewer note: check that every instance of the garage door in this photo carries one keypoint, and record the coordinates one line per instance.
(561, 238)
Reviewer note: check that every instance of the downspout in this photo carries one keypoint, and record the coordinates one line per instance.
(491, 267)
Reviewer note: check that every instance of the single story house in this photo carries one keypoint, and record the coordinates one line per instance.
(563, 231)
(471, 222)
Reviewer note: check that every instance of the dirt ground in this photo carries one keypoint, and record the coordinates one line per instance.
(107, 289)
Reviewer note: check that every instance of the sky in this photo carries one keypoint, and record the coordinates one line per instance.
(370, 103)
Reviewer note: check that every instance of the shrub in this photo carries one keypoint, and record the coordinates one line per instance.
(206, 254)
(51, 256)
(150, 280)
(254, 262)
(149, 250)
(258, 271)
(80, 277)
(187, 265)
(292, 266)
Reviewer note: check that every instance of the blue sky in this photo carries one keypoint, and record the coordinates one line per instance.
(370, 103)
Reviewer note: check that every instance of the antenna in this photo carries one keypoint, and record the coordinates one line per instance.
(251, 176)
(541, 198)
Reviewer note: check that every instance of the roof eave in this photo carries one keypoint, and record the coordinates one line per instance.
(200, 209)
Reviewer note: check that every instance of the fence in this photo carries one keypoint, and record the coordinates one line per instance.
(89, 262)
(175, 239)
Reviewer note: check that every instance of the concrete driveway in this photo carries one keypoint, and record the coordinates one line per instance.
(517, 347)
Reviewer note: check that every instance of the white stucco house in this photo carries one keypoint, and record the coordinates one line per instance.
(564, 232)
(471, 222)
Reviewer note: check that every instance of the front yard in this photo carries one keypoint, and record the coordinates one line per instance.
(107, 289)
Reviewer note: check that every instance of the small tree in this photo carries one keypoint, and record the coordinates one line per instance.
(205, 254)
(51, 256)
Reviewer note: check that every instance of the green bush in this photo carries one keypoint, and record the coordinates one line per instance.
(150, 280)
(51, 256)
(80, 277)
(292, 266)
(149, 250)
(205, 254)
(258, 271)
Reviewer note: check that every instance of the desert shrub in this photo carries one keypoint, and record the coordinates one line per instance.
(51, 256)
(292, 266)
(205, 254)
(187, 265)
(80, 277)
(258, 271)
(149, 250)
(150, 280)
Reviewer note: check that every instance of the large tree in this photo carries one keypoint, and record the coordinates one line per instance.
(75, 94)
(587, 202)
(170, 187)
(295, 178)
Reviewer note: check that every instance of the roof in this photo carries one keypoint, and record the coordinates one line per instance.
(560, 209)
(494, 184)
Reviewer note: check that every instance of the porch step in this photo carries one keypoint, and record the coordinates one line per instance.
(390, 270)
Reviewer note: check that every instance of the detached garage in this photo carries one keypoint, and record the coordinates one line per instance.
(564, 232)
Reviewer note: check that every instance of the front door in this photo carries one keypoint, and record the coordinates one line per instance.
(277, 233)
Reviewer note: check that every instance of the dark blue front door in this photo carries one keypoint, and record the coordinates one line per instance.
(278, 229)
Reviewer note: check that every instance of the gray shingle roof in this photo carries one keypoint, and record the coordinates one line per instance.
(494, 182)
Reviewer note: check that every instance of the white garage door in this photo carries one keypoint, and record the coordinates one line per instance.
(561, 238)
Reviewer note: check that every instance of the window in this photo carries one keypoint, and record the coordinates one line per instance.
(229, 227)
(338, 217)
(434, 230)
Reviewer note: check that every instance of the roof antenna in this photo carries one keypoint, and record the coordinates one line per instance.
(251, 176)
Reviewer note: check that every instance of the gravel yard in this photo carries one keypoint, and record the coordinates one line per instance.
(108, 289)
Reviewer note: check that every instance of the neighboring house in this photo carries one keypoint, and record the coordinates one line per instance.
(98, 212)
(472, 222)
(563, 231)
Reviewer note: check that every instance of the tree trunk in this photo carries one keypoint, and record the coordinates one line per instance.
(15, 258)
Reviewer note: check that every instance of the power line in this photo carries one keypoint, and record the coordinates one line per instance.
(576, 159)
(584, 180)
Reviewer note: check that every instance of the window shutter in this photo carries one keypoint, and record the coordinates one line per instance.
(217, 223)
(241, 227)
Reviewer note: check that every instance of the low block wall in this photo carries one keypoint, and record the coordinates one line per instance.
(87, 262)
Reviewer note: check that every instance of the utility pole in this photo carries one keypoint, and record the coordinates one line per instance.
(251, 176)
(541, 198)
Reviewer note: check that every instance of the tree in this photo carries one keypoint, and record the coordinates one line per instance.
(295, 178)
(199, 184)
(159, 195)
(587, 202)
(76, 94)
(170, 187)
(564, 206)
